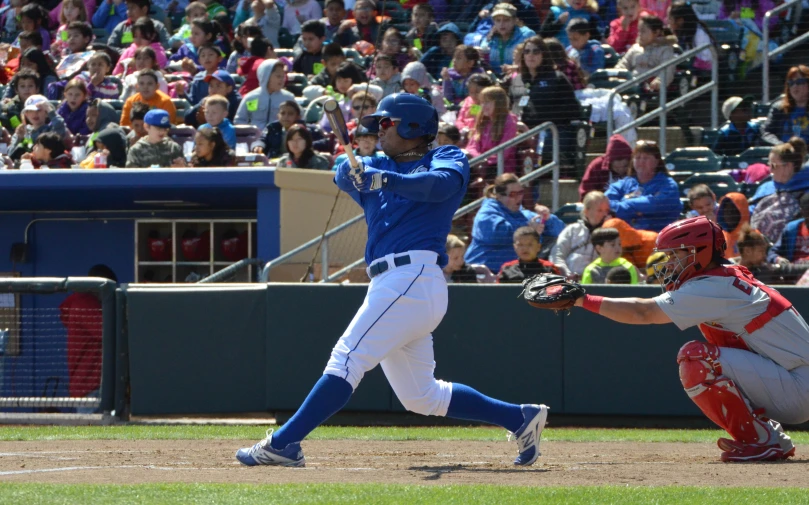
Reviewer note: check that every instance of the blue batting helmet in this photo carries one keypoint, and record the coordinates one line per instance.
(416, 115)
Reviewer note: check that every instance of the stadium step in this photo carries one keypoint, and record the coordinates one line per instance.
(674, 138)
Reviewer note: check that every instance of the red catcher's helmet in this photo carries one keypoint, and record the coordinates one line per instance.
(702, 238)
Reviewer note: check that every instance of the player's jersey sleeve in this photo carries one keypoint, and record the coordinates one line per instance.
(708, 299)
(451, 158)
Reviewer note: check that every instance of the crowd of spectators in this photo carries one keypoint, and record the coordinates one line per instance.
(155, 83)
(491, 69)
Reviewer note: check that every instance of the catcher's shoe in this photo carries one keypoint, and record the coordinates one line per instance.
(738, 452)
(263, 454)
(529, 433)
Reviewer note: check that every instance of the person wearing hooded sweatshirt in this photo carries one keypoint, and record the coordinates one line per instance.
(260, 106)
(100, 115)
(604, 170)
(416, 81)
(111, 140)
(573, 250)
(732, 214)
(651, 50)
(498, 218)
(637, 245)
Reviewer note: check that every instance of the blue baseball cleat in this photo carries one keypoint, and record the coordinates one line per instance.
(263, 454)
(529, 433)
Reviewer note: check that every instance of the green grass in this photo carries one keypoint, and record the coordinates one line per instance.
(209, 432)
(381, 494)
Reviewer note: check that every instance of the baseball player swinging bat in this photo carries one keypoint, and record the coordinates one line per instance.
(338, 125)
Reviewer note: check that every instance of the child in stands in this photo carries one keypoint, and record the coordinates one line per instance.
(607, 243)
(49, 151)
(149, 94)
(122, 36)
(423, 34)
(211, 150)
(144, 34)
(387, 74)
(204, 32)
(495, 124)
(364, 143)
(74, 107)
(210, 58)
(527, 245)
(156, 149)
(332, 57)
(583, 47)
(25, 83)
(136, 118)
(194, 11)
(624, 30)
(216, 115)
(470, 107)
(35, 18)
(72, 11)
(260, 106)
(145, 59)
(309, 54)
(96, 77)
(38, 117)
(465, 64)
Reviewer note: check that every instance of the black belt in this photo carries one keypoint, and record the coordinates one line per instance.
(382, 266)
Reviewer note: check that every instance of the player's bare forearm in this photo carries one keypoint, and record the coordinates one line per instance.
(630, 310)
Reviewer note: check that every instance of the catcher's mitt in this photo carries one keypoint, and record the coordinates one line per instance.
(549, 291)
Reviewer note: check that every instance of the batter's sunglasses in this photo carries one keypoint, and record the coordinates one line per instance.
(386, 123)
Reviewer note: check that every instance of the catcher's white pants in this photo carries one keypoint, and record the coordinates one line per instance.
(782, 393)
(394, 327)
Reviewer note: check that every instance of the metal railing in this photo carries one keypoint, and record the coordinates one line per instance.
(660, 71)
(466, 209)
(231, 271)
(765, 70)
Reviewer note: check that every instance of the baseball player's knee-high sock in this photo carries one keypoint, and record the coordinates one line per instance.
(467, 403)
(329, 395)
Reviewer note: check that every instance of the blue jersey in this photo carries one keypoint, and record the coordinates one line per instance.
(397, 224)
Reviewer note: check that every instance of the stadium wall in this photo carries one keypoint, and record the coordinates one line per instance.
(237, 348)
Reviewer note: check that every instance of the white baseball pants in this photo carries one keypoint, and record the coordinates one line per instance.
(783, 394)
(394, 327)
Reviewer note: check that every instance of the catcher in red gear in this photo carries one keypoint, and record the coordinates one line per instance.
(752, 372)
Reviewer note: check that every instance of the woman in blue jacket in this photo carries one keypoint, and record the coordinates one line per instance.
(648, 199)
(500, 215)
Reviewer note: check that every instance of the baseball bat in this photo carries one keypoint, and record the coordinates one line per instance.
(338, 125)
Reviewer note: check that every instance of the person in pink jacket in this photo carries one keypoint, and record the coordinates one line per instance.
(470, 107)
(495, 124)
(624, 30)
(144, 34)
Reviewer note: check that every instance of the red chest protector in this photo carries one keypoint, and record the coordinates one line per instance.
(744, 281)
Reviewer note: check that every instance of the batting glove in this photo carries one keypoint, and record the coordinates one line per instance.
(355, 173)
(370, 180)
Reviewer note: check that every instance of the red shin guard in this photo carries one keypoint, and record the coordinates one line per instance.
(716, 395)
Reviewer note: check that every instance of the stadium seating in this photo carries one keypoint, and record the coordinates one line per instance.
(684, 162)
(247, 133)
(720, 184)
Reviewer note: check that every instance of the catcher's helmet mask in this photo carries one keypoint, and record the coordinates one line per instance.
(702, 239)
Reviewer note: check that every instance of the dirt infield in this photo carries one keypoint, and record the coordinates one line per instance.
(410, 462)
